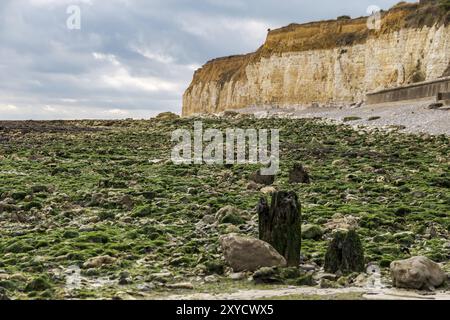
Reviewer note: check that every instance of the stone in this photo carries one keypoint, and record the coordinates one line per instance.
(249, 254)
(338, 163)
(361, 280)
(431, 232)
(3, 295)
(146, 287)
(124, 278)
(328, 284)
(435, 105)
(268, 190)
(18, 277)
(7, 207)
(211, 279)
(237, 276)
(39, 189)
(417, 273)
(97, 262)
(233, 219)
(127, 202)
(383, 237)
(40, 283)
(229, 114)
(290, 273)
(252, 186)
(298, 174)
(267, 275)
(214, 267)
(308, 267)
(312, 231)
(404, 238)
(328, 276)
(124, 281)
(122, 296)
(4, 276)
(161, 277)
(257, 177)
(231, 229)
(226, 211)
(208, 219)
(342, 222)
(306, 280)
(181, 285)
(343, 281)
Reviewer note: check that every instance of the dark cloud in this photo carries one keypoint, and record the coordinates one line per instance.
(131, 58)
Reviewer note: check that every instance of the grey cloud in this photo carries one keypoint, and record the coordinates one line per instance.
(132, 58)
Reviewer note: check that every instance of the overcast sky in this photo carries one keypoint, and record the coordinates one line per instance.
(131, 58)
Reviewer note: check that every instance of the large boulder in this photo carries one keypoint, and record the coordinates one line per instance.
(417, 273)
(249, 254)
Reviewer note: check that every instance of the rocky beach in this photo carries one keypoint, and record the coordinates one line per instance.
(125, 222)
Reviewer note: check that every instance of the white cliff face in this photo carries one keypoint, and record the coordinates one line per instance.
(341, 74)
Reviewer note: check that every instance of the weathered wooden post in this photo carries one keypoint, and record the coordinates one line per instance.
(345, 253)
(280, 225)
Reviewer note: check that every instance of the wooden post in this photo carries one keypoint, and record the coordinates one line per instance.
(345, 253)
(280, 225)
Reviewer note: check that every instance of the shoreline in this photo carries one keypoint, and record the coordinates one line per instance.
(413, 117)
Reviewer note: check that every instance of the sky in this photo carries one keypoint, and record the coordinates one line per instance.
(130, 58)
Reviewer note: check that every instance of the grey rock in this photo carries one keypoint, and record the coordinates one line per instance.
(249, 254)
(262, 179)
(417, 273)
(312, 231)
(308, 267)
(238, 276)
(181, 285)
(97, 262)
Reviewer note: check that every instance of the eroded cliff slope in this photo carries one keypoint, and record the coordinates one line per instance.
(336, 61)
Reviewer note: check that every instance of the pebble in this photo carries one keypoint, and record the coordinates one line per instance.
(97, 262)
(181, 285)
(268, 190)
(308, 267)
(211, 279)
(327, 276)
(162, 275)
(238, 276)
(252, 186)
(146, 287)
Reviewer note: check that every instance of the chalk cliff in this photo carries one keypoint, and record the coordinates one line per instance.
(336, 61)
